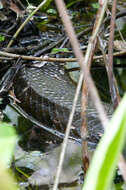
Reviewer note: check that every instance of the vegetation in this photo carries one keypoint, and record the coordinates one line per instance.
(7, 144)
(107, 156)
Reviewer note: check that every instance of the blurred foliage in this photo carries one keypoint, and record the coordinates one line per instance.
(104, 162)
(2, 38)
(7, 144)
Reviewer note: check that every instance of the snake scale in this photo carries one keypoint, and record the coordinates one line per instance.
(47, 94)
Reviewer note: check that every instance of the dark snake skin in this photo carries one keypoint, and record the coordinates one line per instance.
(47, 95)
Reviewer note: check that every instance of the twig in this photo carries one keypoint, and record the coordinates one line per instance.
(25, 22)
(121, 164)
(84, 129)
(109, 64)
(112, 80)
(25, 57)
(83, 63)
(67, 132)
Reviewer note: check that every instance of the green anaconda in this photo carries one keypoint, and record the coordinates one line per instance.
(47, 94)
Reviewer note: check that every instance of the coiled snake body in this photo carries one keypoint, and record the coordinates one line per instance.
(47, 95)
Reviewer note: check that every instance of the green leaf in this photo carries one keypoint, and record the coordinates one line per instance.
(51, 11)
(2, 38)
(95, 5)
(58, 50)
(46, 5)
(69, 4)
(7, 142)
(106, 156)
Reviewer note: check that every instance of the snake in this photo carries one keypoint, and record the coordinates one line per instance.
(47, 95)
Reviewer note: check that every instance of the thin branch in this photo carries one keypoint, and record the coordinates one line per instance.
(83, 63)
(84, 101)
(109, 63)
(121, 164)
(112, 80)
(25, 22)
(67, 132)
(84, 128)
(33, 58)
